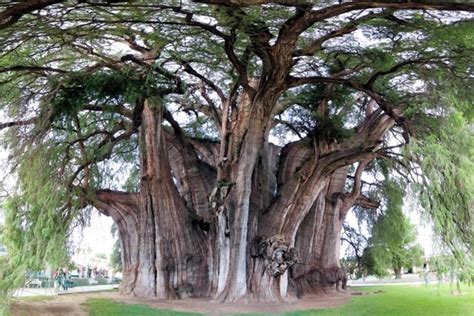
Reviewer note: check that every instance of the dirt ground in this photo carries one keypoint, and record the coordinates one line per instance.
(59, 305)
(70, 305)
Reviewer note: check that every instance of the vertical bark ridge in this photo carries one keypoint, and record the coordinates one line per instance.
(320, 267)
(195, 178)
(242, 173)
(249, 132)
(180, 265)
(264, 186)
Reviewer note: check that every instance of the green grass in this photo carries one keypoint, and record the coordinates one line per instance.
(404, 300)
(394, 300)
(107, 307)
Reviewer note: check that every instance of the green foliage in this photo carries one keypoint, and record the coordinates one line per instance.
(109, 87)
(331, 127)
(37, 224)
(351, 265)
(446, 185)
(10, 277)
(132, 182)
(448, 265)
(116, 256)
(201, 127)
(314, 114)
(391, 245)
(2, 229)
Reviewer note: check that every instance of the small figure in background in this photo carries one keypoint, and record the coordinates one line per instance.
(426, 279)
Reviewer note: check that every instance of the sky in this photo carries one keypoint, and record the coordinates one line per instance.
(96, 238)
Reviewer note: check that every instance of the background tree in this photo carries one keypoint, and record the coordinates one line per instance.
(392, 242)
(244, 132)
(353, 261)
(116, 256)
(2, 229)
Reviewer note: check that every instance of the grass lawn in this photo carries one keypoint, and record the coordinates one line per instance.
(405, 300)
(108, 307)
(395, 300)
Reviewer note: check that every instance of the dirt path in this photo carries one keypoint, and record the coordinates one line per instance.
(70, 305)
(59, 305)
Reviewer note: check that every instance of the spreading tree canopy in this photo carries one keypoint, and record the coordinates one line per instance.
(229, 139)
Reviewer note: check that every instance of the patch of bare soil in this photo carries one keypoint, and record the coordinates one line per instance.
(70, 305)
(367, 292)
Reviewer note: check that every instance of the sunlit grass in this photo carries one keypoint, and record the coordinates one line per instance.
(406, 301)
(381, 300)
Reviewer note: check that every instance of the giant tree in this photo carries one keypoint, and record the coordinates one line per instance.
(227, 139)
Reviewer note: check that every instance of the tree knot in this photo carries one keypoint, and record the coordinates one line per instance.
(278, 255)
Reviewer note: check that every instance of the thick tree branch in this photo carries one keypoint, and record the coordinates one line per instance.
(366, 202)
(349, 199)
(107, 196)
(205, 151)
(195, 177)
(190, 70)
(238, 65)
(234, 3)
(189, 21)
(28, 68)
(306, 18)
(292, 157)
(350, 27)
(18, 123)
(387, 108)
(119, 109)
(350, 6)
(105, 150)
(395, 68)
(13, 14)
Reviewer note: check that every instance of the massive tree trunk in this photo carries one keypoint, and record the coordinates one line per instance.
(165, 251)
(318, 239)
(239, 157)
(240, 219)
(249, 222)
